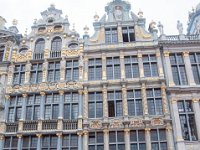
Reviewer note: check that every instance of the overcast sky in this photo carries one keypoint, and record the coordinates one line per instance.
(81, 12)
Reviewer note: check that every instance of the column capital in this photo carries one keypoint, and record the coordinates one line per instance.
(186, 53)
(179, 139)
(2, 137)
(19, 136)
(85, 92)
(80, 92)
(79, 133)
(25, 95)
(42, 93)
(157, 54)
(59, 135)
(39, 135)
(195, 100)
(105, 131)
(85, 132)
(61, 92)
(139, 55)
(174, 101)
(166, 53)
(147, 129)
(126, 130)
(7, 97)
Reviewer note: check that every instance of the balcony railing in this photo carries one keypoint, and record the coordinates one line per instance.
(30, 125)
(38, 55)
(55, 54)
(184, 37)
(49, 124)
(11, 127)
(70, 124)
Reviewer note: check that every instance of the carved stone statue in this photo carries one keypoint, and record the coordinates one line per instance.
(160, 28)
(118, 13)
(180, 27)
(197, 26)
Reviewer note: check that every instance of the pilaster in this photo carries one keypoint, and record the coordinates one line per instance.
(188, 68)
(144, 100)
(80, 111)
(122, 65)
(27, 73)
(10, 74)
(19, 143)
(59, 143)
(80, 142)
(106, 139)
(85, 140)
(125, 104)
(119, 29)
(45, 71)
(42, 105)
(25, 96)
(61, 104)
(127, 138)
(81, 67)
(85, 68)
(104, 66)
(7, 100)
(105, 103)
(62, 69)
(169, 134)
(196, 109)
(168, 69)
(148, 138)
(39, 142)
(2, 141)
(140, 63)
(85, 104)
(159, 62)
(164, 99)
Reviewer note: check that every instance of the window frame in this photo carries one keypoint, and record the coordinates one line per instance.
(54, 70)
(127, 30)
(137, 140)
(195, 62)
(56, 44)
(37, 72)
(72, 69)
(39, 45)
(93, 67)
(111, 35)
(20, 73)
(117, 141)
(159, 140)
(131, 63)
(95, 144)
(113, 63)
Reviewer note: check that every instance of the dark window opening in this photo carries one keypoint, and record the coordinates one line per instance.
(128, 34)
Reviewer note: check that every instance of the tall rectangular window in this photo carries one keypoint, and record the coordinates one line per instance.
(113, 68)
(131, 66)
(158, 139)
(71, 105)
(128, 34)
(116, 140)
(54, 71)
(134, 99)
(195, 62)
(36, 73)
(29, 143)
(95, 105)
(72, 70)
(70, 142)
(154, 100)
(10, 143)
(150, 65)
(15, 109)
(19, 74)
(96, 141)
(95, 69)
(33, 107)
(178, 69)
(2, 49)
(49, 142)
(137, 140)
(115, 107)
(111, 35)
(52, 106)
(187, 120)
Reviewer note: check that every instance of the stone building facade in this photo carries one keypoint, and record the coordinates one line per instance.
(124, 88)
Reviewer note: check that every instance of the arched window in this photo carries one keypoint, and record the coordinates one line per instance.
(39, 45)
(56, 44)
(2, 48)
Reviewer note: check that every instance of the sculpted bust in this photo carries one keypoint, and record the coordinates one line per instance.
(118, 13)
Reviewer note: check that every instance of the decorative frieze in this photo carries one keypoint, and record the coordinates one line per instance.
(21, 57)
(95, 124)
(157, 122)
(135, 123)
(116, 124)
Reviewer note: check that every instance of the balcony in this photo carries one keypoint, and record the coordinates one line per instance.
(55, 54)
(11, 127)
(30, 125)
(38, 55)
(49, 124)
(70, 124)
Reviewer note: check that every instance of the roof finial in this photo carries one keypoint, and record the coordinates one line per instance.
(73, 29)
(96, 17)
(52, 5)
(25, 33)
(15, 22)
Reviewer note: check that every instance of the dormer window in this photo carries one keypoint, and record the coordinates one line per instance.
(128, 34)
(50, 20)
(56, 44)
(23, 50)
(41, 29)
(2, 48)
(111, 35)
(58, 27)
(40, 45)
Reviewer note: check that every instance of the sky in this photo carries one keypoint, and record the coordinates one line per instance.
(81, 12)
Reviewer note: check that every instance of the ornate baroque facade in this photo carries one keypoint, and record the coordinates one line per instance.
(124, 88)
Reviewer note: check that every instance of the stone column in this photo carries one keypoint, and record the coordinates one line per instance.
(42, 105)
(27, 73)
(25, 97)
(10, 74)
(119, 29)
(159, 62)
(85, 68)
(85, 104)
(105, 103)
(85, 140)
(62, 69)
(140, 63)
(80, 143)
(168, 69)
(104, 66)
(177, 126)
(106, 139)
(59, 143)
(127, 138)
(1, 141)
(7, 101)
(188, 68)
(80, 111)
(196, 109)
(169, 134)
(19, 143)
(125, 104)
(144, 100)
(61, 105)
(45, 71)
(164, 100)
(148, 138)
(122, 65)
(39, 142)
(81, 67)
